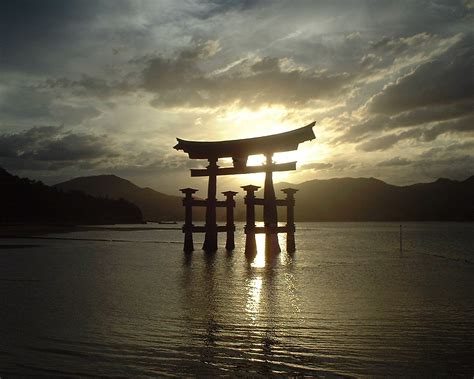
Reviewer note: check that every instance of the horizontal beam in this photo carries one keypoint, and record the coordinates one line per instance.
(245, 170)
(203, 203)
(203, 229)
(258, 201)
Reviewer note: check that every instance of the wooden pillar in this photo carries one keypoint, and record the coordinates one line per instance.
(210, 239)
(270, 215)
(188, 218)
(290, 219)
(230, 226)
(250, 242)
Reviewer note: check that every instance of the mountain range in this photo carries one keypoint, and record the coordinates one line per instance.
(28, 201)
(155, 206)
(340, 199)
(370, 199)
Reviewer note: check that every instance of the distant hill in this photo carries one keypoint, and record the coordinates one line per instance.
(341, 199)
(369, 199)
(154, 205)
(23, 200)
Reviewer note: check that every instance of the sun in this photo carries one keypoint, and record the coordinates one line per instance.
(250, 123)
(266, 120)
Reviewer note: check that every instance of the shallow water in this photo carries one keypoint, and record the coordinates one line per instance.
(346, 303)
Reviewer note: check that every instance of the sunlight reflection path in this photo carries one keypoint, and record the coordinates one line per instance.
(253, 299)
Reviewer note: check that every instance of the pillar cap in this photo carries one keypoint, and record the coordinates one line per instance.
(188, 190)
(250, 187)
(289, 191)
(229, 193)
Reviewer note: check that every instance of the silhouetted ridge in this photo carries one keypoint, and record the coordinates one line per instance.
(370, 199)
(25, 200)
(338, 199)
(154, 205)
(3, 172)
(470, 180)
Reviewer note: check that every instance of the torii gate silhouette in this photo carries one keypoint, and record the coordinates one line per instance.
(239, 150)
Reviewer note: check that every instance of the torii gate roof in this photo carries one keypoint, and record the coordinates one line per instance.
(239, 148)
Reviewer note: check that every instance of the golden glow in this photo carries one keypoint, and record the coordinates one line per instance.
(247, 121)
(253, 297)
(267, 120)
(256, 160)
(259, 260)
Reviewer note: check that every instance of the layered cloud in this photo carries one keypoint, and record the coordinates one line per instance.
(418, 89)
(432, 102)
(50, 145)
(389, 83)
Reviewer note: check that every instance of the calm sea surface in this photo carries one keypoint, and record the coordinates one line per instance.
(346, 303)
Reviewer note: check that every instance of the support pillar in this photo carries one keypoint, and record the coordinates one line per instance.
(270, 215)
(188, 218)
(290, 219)
(230, 226)
(250, 242)
(210, 239)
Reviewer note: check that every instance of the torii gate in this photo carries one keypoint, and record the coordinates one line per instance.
(239, 150)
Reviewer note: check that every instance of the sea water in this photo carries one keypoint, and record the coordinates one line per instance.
(348, 302)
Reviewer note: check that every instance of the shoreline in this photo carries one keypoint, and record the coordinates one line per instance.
(31, 230)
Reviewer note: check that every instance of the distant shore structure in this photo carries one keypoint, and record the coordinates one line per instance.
(239, 150)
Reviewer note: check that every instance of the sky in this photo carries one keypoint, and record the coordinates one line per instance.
(105, 87)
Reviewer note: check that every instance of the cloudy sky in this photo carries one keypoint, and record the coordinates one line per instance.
(93, 87)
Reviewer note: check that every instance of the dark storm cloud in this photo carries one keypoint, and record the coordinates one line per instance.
(164, 74)
(397, 161)
(73, 114)
(387, 141)
(396, 46)
(72, 147)
(411, 17)
(424, 115)
(158, 75)
(88, 85)
(387, 51)
(35, 35)
(53, 144)
(454, 83)
(180, 82)
(443, 151)
(415, 117)
(51, 148)
(22, 102)
(438, 91)
(215, 7)
(464, 125)
(12, 145)
(460, 125)
(27, 105)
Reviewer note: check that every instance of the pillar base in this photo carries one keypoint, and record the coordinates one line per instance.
(230, 244)
(271, 244)
(188, 243)
(290, 243)
(250, 246)
(210, 241)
